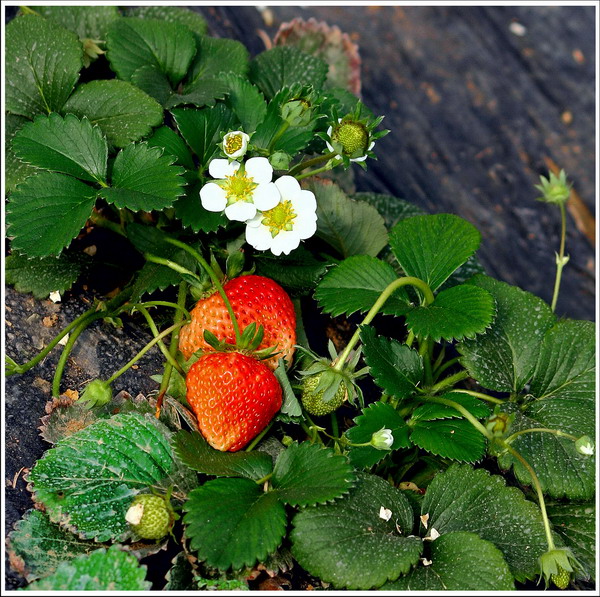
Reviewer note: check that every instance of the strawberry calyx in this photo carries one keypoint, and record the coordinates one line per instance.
(248, 343)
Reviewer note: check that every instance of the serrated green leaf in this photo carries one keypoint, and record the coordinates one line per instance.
(216, 55)
(566, 367)
(349, 544)
(203, 92)
(192, 214)
(505, 357)
(432, 247)
(350, 227)
(43, 545)
(395, 367)
(45, 275)
(89, 479)
(465, 499)
(356, 283)
(449, 438)
(153, 82)
(561, 470)
(306, 474)
(172, 144)
(575, 523)
(180, 576)
(134, 42)
(246, 101)
(143, 179)
(46, 212)
(201, 129)
(290, 409)
(102, 570)
(39, 81)
(123, 112)
(173, 14)
(283, 66)
(458, 562)
(194, 451)
(459, 312)
(15, 171)
(430, 411)
(232, 523)
(88, 22)
(66, 145)
(391, 208)
(377, 416)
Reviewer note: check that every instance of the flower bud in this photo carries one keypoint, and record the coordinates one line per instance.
(554, 189)
(235, 144)
(382, 439)
(499, 423)
(280, 160)
(584, 445)
(297, 112)
(96, 393)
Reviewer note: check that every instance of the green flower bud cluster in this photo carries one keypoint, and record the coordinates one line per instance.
(554, 189)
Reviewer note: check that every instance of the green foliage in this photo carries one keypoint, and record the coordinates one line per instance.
(505, 357)
(189, 210)
(173, 14)
(215, 56)
(458, 561)
(88, 22)
(349, 544)
(15, 171)
(89, 490)
(391, 208)
(172, 144)
(44, 275)
(245, 100)
(39, 82)
(123, 112)
(102, 570)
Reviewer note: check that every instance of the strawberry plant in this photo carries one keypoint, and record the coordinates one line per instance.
(446, 444)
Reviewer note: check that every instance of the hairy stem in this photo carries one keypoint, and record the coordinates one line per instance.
(560, 260)
(449, 381)
(461, 409)
(556, 432)
(259, 437)
(481, 395)
(312, 162)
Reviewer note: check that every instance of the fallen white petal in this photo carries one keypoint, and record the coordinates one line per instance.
(426, 562)
(55, 297)
(134, 514)
(385, 513)
(63, 341)
(424, 518)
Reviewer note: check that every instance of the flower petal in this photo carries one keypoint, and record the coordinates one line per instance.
(213, 197)
(305, 227)
(285, 242)
(220, 168)
(255, 221)
(266, 196)
(240, 211)
(259, 237)
(288, 186)
(309, 201)
(259, 169)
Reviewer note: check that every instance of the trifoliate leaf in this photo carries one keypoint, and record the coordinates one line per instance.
(123, 112)
(285, 65)
(45, 275)
(173, 144)
(349, 544)
(15, 171)
(431, 247)
(102, 570)
(66, 145)
(143, 179)
(465, 499)
(356, 283)
(395, 367)
(173, 14)
(153, 82)
(203, 92)
(459, 312)
(88, 22)
(216, 55)
(42, 545)
(89, 479)
(575, 523)
(202, 129)
(458, 562)
(46, 212)
(449, 438)
(376, 416)
(134, 42)
(306, 474)
(42, 64)
(232, 523)
(351, 227)
(504, 358)
(194, 451)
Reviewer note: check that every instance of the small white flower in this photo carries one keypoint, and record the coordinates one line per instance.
(382, 439)
(282, 227)
(238, 191)
(235, 144)
(385, 513)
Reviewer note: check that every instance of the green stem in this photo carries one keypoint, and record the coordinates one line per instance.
(410, 339)
(284, 127)
(449, 381)
(215, 280)
(560, 260)
(481, 395)
(264, 479)
(259, 437)
(423, 352)
(335, 430)
(324, 168)
(461, 409)
(103, 222)
(383, 297)
(556, 432)
(440, 368)
(144, 350)
(172, 265)
(437, 366)
(312, 162)
(170, 359)
(181, 308)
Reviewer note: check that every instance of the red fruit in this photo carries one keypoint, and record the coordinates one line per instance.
(253, 299)
(233, 397)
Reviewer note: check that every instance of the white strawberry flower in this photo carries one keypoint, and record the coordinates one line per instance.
(240, 190)
(235, 144)
(281, 228)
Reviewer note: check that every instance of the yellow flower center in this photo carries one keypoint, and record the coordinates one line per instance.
(233, 143)
(239, 187)
(353, 137)
(280, 218)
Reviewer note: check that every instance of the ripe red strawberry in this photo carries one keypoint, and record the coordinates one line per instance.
(233, 397)
(253, 299)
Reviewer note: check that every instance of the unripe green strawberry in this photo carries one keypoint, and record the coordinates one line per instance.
(562, 579)
(312, 400)
(150, 516)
